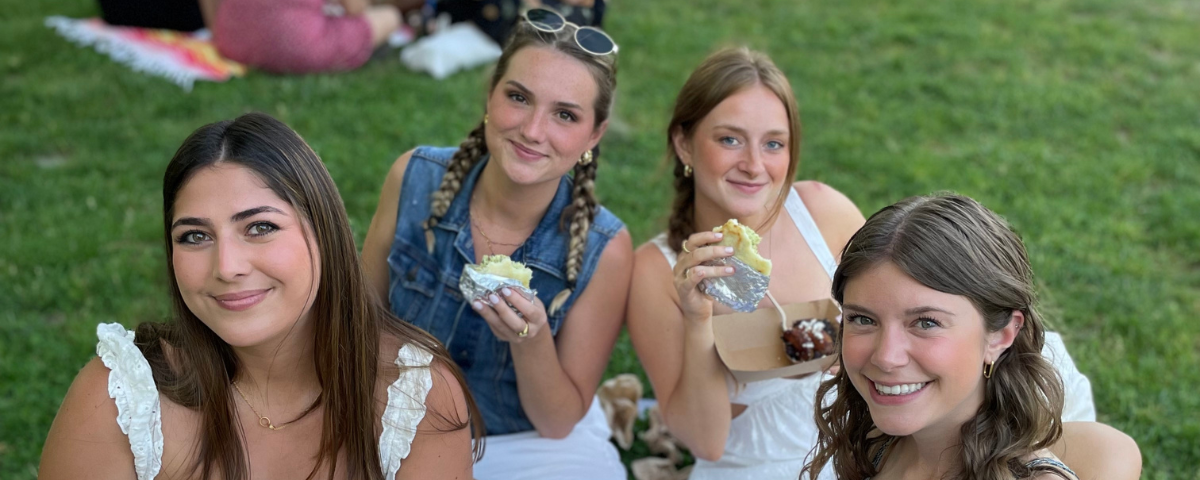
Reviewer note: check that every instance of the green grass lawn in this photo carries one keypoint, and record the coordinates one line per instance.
(1079, 121)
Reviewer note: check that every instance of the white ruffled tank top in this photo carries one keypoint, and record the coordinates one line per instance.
(139, 414)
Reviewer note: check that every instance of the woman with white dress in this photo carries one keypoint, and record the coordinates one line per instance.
(278, 363)
(734, 140)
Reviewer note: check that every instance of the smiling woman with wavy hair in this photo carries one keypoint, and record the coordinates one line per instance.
(942, 373)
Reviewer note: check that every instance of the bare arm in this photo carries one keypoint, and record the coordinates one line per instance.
(675, 343)
(378, 243)
(437, 451)
(557, 377)
(1097, 451)
(85, 440)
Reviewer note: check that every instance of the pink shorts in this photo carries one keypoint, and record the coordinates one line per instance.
(290, 36)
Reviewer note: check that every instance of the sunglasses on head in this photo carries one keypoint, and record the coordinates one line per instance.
(591, 39)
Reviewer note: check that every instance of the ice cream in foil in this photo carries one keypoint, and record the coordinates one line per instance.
(479, 281)
(741, 291)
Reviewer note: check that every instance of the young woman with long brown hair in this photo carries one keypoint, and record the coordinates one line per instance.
(534, 368)
(279, 362)
(734, 144)
(941, 373)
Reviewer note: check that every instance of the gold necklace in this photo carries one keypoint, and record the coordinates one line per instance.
(490, 244)
(262, 420)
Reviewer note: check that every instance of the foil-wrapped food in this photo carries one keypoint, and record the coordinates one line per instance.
(495, 272)
(743, 290)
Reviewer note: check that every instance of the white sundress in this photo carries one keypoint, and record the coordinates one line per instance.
(772, 437)
(139, 414)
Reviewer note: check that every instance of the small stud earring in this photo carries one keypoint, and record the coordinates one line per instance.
(586, 158)
(687, 170)
(485, 119)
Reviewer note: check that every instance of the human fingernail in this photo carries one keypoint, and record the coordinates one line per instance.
(728, 269)
(728, 249)
(719, 235)
(477, 305)
(506, 292)
(494, 298)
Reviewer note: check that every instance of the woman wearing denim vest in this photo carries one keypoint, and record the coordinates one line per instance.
(534, 368)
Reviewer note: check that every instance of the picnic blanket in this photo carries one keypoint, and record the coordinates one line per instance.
(180, 57)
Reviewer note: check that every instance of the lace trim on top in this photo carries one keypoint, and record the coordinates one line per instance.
(131, 386)
(405, 409)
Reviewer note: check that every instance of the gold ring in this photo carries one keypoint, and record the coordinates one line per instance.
(687, 274)
(524, 332)
(684, 245)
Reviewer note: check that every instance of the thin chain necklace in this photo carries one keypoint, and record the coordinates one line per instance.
(490, 244)
(263, 421)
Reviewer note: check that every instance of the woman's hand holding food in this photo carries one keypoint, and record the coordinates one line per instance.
(511, 317)
(698, 248)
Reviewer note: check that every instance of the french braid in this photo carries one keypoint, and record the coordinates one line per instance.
(581, 211)
(682, 222)
(469, 152)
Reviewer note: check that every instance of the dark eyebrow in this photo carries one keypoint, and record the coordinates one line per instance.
(925, 309)
(782, 133)
(851, 306)
(909, 312)
(237, 217)
(525, 91)
(193, 221)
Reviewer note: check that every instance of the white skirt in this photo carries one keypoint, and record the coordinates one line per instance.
(586, 453)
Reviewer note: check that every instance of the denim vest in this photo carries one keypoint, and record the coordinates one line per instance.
(424, 288)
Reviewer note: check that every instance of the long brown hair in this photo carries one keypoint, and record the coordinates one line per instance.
(348, 321)
(722, 74)
(952, 244)
(583, 207)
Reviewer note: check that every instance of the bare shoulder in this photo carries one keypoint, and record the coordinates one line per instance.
(619, 250)
(85, 440)
(442, 445)
(396, 173)
(836, 215)
(447, 396)
(827, 203)
(1095, 450)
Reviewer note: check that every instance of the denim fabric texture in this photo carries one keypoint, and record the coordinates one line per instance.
(424, 288)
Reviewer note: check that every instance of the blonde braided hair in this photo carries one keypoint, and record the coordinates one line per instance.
(581, 212)
(470, 151)
(578, 216)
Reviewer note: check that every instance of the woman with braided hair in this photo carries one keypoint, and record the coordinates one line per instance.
(734, 142)
(533, 366)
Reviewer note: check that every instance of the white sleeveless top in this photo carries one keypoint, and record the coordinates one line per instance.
(771, 438)
(139, 414)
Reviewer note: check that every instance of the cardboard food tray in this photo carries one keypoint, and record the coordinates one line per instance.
(750, 343)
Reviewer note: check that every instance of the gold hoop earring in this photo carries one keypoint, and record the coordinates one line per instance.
(687, 170)
(989, 369)
(586, 158)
